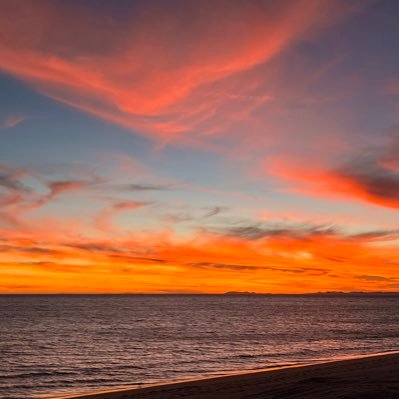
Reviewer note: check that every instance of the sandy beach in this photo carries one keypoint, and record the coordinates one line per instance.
(370, 377)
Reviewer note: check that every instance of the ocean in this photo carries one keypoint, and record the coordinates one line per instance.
(67, 344)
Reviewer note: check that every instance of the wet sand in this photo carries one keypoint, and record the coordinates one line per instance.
(371, 377)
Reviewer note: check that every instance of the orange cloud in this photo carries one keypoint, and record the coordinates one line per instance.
(300, 259)
(368, 178)
(158, 70)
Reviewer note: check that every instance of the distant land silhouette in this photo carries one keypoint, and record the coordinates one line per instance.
(323, 293)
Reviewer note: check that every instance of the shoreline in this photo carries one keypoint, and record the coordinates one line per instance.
(326, 377)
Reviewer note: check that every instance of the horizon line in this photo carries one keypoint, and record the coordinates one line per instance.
(228, 293)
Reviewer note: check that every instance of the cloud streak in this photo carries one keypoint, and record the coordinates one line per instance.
(206, 262)
(12, 121)
(23, 190)
(157, 71)
(371, 177)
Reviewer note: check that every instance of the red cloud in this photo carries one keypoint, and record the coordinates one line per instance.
(369, 178)
(154, 70)
(12, 121)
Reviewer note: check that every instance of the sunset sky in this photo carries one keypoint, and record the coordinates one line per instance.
(199, 146)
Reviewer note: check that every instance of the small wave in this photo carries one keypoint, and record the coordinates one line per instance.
(37, 374)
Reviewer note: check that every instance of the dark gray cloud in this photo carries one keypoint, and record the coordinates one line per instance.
(339, 259)
(214, 211)
(9, 182)
(137, 187)
(209, 265)
(259, 231)
(10, 177)
(187, 217)
(375, 173)
(115, 252)
(147, 187)
(377, 235)
(131, 258)
(13, 191)
(32, 249)
(16, 197)
(93, 247)
(229, 266)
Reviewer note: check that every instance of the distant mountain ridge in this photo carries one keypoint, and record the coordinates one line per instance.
(323, 293)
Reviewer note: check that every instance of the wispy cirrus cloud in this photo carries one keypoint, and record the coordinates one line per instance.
(216, 210)
(12, 121)
(138, 187)
(156, 71)
(261, 231)
(23, 190)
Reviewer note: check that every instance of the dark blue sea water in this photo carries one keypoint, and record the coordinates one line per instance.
(58, 345)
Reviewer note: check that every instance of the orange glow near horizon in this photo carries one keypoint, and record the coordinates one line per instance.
(204, 147)
(289, 262)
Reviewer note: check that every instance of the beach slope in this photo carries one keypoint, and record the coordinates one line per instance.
(371, 377)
